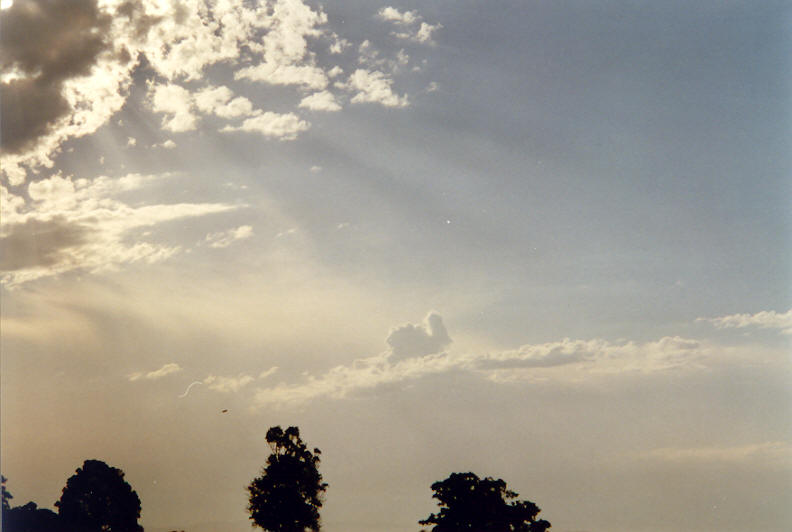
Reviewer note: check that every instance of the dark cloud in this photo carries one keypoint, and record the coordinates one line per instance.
(39, 243)
(48, 42)
(411, 340)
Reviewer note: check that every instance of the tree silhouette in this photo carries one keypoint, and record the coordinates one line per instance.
(98, 499)
(287, 495)
(480, 505)
(30, 518)
(6, 495)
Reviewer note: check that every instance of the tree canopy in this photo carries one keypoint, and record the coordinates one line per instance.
(288, 494)
(481, 505)
(98, 499)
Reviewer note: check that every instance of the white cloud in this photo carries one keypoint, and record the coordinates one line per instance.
(228, 384)
(177, 104)
(766, 319)
(774, 452)
(168, 144)
(131, 141)
(167, 369)
(335, 71)
(391, 14)
(281, 126)
(82, 224)
(221, 102)
(226, 238)
(320, 101)
(373, 87)
(315, 169)
(267, 373)
(415, 352)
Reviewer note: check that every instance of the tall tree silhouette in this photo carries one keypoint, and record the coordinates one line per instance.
(98, 499)
(288, 494)
(480, 505)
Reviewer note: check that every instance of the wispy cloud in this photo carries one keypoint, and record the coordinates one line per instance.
(71, 224)
(416, 351)
(224, 239)
(280, 126)
(167, 369)
(766, 319)
(373, 87)
(228, 384)
(773, 452)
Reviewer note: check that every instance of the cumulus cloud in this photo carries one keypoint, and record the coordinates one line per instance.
(766, 319)
(320, 101)
(416, 351)
(221, 102)
(84, 224)
(391, 14)
(373, 87)
(280, 126)
(224, 239)
(78, 70)
(411, 24)
(176, 103)
(410, 340)
(167, 369)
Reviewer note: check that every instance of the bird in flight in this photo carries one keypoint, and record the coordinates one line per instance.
(223, 411)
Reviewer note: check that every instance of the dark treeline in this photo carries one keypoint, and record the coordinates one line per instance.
(285, 497)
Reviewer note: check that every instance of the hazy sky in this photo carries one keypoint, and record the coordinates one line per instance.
(544, 241)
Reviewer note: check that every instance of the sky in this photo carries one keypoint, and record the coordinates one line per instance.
(541, 241)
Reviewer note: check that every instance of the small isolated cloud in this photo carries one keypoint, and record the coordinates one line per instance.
(391, 14)
(315, 169)
(224, 239)
(409, 340)
(320, 101)
(167, 369)
(373, 87)
(766, 319)
(411, 25)
(131, 141)
(168, 145)
(281, 126)
(774, 453)
(228, 384)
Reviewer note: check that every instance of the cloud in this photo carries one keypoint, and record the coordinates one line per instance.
(373, 87)
(266, 373)
(773, 452)
(320, 101)
(78, 70)
(167, 369)
(228, 384)
(281, 126)
(226, 238)
(391, 14)
(221, 102)
(415, 352)
(407, 20)
(177, 104)
(766, 319)
(84, 224)
(409, 340)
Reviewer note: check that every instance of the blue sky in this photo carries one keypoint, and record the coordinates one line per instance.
(542, 241)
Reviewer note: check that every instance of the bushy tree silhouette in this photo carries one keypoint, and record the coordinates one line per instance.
(480, 505)
(288, 494)
(30, 518)
(98, 499)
